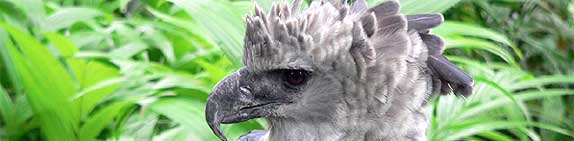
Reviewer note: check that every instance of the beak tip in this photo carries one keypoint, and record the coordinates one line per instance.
(213, 119)
(215, 128)
(214, 124)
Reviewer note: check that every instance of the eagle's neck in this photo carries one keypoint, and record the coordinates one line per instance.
(408, 125)
(289, 129)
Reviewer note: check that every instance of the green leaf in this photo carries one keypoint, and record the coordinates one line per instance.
(95, 80)
(450, 28)
(8, 62)
(96, 123)
(468, 128)
(186, 111)
(101, 85)
(505, 92)
(6, 107)
(426, 6)
(139, 126)
(65, 47)
(221, 22)
(215, 72)
(495, 136)
(521, 96)
(14, 124)
(181, 80)
(129, 50)
(48, 98)
(177, 133)
(65, 17)
(34, 9)
(542, 81)
(482, 45)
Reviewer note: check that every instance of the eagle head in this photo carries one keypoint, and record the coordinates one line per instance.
(333, 64)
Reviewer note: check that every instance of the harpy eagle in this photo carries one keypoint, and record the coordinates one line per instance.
(336, 72)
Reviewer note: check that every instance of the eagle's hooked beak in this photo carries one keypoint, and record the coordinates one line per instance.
(232, 101)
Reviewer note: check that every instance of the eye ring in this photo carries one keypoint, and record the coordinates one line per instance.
(295, 77)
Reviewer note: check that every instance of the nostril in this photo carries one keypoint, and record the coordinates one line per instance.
(245, 95)
(245, 89)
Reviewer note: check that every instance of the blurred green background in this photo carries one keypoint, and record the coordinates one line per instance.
(142, 69)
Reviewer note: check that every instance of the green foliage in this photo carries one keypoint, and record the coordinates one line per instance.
(142, 69)
(541, 28)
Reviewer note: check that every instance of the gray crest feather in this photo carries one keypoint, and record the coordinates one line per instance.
(424, 22)
(387, 8)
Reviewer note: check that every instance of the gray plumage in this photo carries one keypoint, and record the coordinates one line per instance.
(337, 72)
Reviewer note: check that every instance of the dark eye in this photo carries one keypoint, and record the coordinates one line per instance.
(295, 77)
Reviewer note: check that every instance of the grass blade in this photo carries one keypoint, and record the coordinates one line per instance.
(6, 109)
(220, 22)
(542, 81)
(65, 17)
(521, 96)
(481, 45)
(96, 123)
(187, 112)
(65, 47)
(424, 6)
(450, 28)
(48, 99)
